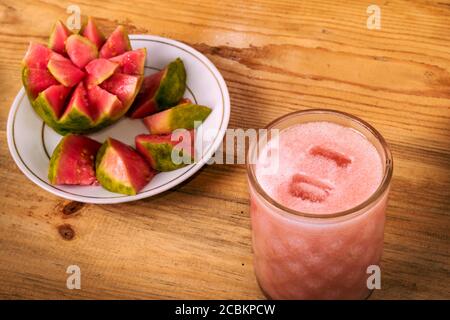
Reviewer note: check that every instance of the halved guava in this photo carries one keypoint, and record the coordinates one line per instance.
(87, 107)
(73, 161)
(119, 168)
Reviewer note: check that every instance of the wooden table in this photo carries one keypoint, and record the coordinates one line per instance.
(276, 57)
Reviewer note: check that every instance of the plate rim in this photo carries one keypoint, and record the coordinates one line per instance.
(145, 194)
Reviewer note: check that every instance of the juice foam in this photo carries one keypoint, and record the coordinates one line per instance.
(323, 168)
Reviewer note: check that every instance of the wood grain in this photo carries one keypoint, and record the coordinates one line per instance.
(276, 57)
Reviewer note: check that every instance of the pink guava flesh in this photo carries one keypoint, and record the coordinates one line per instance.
(92, 32)
(37, 80)
(132, 62)
(116, 44)
(159, 123)
(58, 37)
(37, 56)
(124, 86)
(124, 165)
(65, 71)
(75, 163)
(144, 103)
(103, 103)
(100, 70)
(56, 96)
(81, 50)
(80, 101)
(139, 172)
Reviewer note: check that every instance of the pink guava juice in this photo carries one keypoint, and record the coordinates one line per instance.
(318, 214)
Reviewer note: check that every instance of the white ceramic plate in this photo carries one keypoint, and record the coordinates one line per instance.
(31, 142)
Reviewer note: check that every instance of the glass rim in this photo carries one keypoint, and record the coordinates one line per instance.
(383, 186)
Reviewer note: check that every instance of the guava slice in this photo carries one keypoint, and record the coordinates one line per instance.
(172, 86)
(105, 107)
(49, 104)
(36, 81)
(77, 117)
(158, 149)
(81, 50)
(91, 31)
(58, 37)
(145, 103)
(119, 168)
(73, 161)
(182, 116)
(161, 90)
(65, 71)
(116, 44)
(100, 69)
(124, 86)
(132, 62)
(37, 56)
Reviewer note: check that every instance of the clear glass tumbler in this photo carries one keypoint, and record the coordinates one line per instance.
(299, 255)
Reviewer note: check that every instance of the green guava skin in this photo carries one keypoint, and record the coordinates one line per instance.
(172, 86)
(186, 116)
(40, 105)
(161, 154)
(104, 179)
(182, 116)
(76, 121)
(53, 166)
(42, 108)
